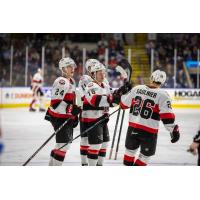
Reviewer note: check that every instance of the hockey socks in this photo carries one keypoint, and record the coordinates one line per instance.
(93, 152)
(84, 152)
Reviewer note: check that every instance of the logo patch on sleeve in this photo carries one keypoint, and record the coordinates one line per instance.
(62, 82)
(90, 84)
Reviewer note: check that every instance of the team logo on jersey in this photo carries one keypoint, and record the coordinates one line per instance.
(62, 82)
(90, 84)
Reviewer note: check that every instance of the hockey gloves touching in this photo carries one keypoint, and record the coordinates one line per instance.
(125, 88)
(175, 135)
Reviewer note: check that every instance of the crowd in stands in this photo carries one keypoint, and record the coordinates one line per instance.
(164, 45)
(53, 44)
(187, 46)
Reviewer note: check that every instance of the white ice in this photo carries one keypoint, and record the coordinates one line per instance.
(24, 132)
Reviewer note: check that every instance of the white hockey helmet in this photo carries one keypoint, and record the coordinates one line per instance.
(64, 62)
(89, 63)
(97, 67)
(158, 76)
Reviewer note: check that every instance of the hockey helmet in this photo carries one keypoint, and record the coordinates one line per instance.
(158, 76)
(97, 67)
(64, 62)
(89, 63)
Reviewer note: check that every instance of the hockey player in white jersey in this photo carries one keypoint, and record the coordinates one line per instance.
(63, 107)
(36, 87)
(84, 80)
(148, 105)
(97, 100)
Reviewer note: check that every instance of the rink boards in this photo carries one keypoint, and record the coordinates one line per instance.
(12, 97)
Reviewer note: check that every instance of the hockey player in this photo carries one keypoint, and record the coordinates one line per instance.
(36, 87)
(195, 147)
(84, 80)
(96, 105)
(63, 108)
(148, 105)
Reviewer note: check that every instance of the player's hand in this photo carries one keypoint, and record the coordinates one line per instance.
(193, 148)
(75, 110)
(125, 88)
(175, 135)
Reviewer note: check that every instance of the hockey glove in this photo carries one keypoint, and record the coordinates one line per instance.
(125, 88)
(175, 135)
(114, 98)
(75, 110)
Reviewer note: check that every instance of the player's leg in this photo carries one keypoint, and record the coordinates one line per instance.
(40, 95)
(95, 139)
(33, 101)
(104, 146)
(84, 144)
(131, 147)
(63, 136)
(148, 149)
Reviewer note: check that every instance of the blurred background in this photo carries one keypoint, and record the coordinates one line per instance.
(21, 54)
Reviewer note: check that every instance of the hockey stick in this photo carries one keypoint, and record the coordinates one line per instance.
(114, 135)
(124, 74)
(120, 131)
(99, 122)
(126, 65)
(36, 152)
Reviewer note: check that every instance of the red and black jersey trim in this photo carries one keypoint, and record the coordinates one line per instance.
(138, 128)
(95, 100)
(88, 106)
(36, 81)
(167, 118)
(123, 106)
(55, 103)
(69, 98)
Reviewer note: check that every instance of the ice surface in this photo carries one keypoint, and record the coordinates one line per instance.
(24, 132)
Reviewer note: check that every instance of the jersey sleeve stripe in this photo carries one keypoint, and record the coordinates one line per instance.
(167, 116)
(123, 106)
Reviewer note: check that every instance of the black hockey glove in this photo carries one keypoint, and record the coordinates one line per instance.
(125, 88)
(175, 135)
(76, 110)
(114, 98)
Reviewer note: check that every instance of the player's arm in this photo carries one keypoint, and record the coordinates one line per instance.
(82, 87)
(126, 100)
(168, 118)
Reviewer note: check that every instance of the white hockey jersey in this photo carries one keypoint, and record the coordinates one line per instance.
(37, 80)
(62, 97)
(147, 107)
(95, 103)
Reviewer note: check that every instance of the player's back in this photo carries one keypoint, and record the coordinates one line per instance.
(145, 104)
